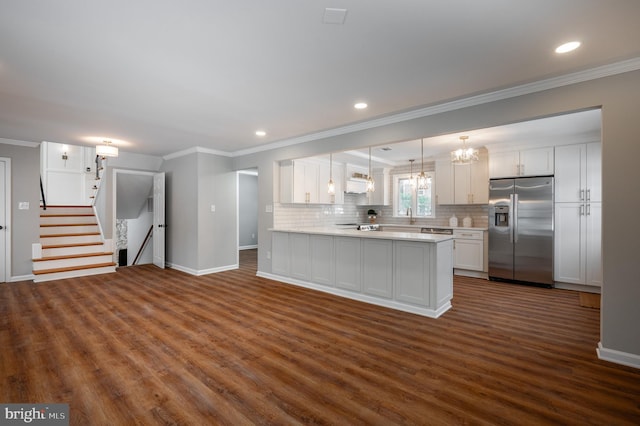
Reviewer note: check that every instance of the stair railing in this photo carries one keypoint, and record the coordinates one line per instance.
(143, 246)
(44, 200)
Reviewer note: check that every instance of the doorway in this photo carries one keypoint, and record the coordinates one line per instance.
(138, 217)
(247, 190)
(5, 219)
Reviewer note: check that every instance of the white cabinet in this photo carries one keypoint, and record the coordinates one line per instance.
(578, 172)
(280, 253)
(334, 171)
(305, 181)
(444, 181)
(462, 184)
(526, 162)
(468, 250)
(471, 182)
(321, 255)
(578, 207)
(577, 243)
(378, 267)
(381, 195)
(411, 272)
(299, 251)
(348, 263)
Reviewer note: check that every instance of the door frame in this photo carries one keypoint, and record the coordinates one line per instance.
(250, 171)
(7, 219)
(115, 196)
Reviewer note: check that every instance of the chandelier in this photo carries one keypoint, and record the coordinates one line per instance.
(464, 155)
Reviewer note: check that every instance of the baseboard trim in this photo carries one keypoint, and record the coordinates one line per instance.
(578, 287)
(18, 278)
(618, 357)
(198, 273)
(254, 246)
(387, 303)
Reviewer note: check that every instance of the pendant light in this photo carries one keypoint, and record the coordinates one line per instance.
(464, 155)
(412, 181)
(422, 177)
(107, 150)
(371, 185)
(331, 187)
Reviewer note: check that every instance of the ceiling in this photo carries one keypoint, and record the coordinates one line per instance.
(161, 76)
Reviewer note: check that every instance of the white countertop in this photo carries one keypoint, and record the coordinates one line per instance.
(404, 236)
(461, 228)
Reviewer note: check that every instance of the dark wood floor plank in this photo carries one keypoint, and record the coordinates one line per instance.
(145, 346)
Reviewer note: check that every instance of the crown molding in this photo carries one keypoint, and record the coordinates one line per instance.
(197, 149)
(512, 92)
(19, 143)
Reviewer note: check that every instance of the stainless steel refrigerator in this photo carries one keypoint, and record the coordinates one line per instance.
(521, 230)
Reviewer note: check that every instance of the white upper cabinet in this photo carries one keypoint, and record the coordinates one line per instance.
(462, 184)
(578, 173)
(306, 181)
(444, 181)
(526, 162)
(382, 194)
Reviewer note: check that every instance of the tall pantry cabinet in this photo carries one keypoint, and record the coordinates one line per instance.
(578, 207)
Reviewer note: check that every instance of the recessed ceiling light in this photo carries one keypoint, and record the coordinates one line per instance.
(360, 105)
(261, 133)
(568, 47)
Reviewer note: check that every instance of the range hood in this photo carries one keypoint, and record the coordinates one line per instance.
(355, 186)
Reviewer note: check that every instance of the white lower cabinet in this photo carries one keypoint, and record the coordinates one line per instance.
(411, 272)
(412, 275)
(577, 247)
(348, 263)
(299, 246)
(378, 267)
(280, 253)
(321, 254)
(468, 250)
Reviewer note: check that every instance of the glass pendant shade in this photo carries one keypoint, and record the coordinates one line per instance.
(464, 155)
(331, 187)
(371, 185)
(422, 177)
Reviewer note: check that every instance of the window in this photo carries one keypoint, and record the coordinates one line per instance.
(406, 195)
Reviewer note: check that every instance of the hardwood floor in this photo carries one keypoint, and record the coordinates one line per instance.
(144, 346)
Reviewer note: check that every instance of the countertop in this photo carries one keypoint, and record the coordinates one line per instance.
(384, 235)
(418, 227)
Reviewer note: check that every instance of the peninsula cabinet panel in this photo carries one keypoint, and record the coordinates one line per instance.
(321, 254)
(412, 272)
(348, 263)
(280, 253)
(299, 251)
(378, 267)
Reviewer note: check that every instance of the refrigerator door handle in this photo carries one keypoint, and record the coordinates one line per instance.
(512, 218)
(514, 229)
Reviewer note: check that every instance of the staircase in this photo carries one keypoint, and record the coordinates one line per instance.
(71, 245)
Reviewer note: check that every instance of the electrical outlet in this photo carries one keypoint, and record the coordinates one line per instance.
(268, 255)
(213, 207)
(23, 205)
(268, 208)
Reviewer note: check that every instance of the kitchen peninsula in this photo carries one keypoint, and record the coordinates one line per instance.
(400, 270)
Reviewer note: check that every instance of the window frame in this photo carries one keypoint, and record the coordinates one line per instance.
(414, 199)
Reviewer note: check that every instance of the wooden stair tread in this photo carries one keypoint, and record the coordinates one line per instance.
(52, 246)
(73, 268)
(84, 234)
(73, 256)
(53, 225)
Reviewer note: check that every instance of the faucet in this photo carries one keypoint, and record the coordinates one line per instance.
(410, 214)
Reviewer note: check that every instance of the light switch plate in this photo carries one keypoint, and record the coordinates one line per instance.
(23, 205)
(213, 207)
(268, 208)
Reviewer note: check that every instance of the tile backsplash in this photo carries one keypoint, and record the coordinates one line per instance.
(299, 215)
